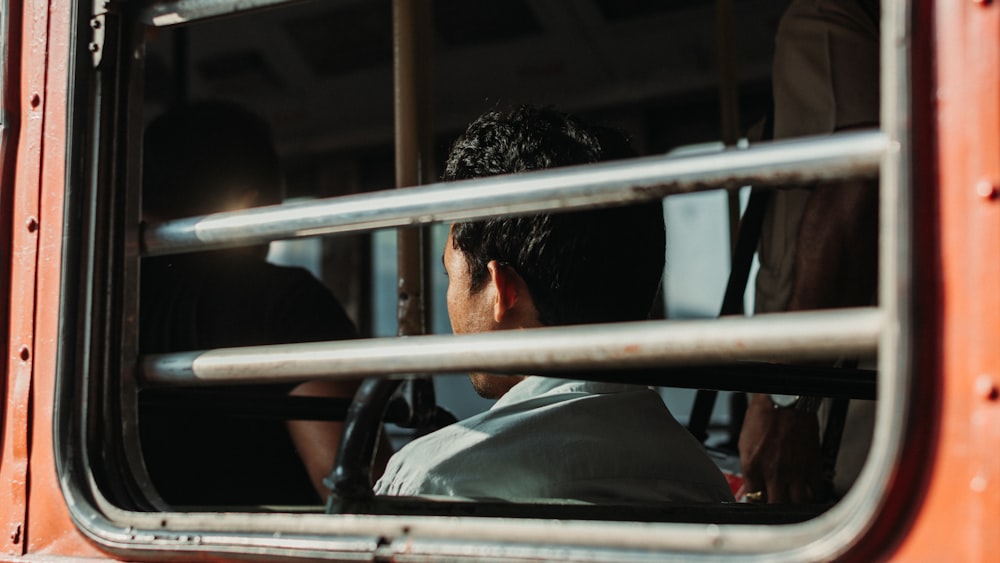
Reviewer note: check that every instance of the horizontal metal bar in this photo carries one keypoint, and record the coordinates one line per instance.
(578, 187)
(176, 12)
(784, 336)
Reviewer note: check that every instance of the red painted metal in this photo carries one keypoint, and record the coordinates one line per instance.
(8, 161)
(945, 501)
(24, 251)
(33, 518)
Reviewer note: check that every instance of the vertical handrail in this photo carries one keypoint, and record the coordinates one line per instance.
(413, 144)
(351, 479)
(729, 100)
(729, 118)
(412, 34)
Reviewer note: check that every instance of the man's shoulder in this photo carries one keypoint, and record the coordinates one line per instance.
(575, 447)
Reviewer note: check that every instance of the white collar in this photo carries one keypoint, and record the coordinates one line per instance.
(535, 385)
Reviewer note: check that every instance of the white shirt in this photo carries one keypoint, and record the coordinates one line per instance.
(551, 439)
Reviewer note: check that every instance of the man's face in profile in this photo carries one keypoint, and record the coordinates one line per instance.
(468, 310)
(472, 311)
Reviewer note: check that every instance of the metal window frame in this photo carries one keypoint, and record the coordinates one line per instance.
(137, 533)
(169, 13)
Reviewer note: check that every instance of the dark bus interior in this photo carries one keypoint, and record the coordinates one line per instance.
(321, 74)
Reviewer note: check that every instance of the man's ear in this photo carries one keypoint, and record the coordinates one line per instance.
(507, 284)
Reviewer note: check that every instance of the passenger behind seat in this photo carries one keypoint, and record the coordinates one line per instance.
(203, 158)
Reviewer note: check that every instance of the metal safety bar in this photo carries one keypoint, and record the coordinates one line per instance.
(767, 164)
(820, 335)
(177, 12)
(756, 377)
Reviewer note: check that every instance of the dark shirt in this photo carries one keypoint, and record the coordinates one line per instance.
(199, 456)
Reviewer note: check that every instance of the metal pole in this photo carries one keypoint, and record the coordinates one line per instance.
(775, 337)
(411, 25)
(729, 99)
(729, 110)
(854, 154)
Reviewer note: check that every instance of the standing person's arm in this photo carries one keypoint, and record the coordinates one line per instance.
(835, 267)
(825, 78)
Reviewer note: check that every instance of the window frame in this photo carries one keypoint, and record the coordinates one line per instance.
(131, 525)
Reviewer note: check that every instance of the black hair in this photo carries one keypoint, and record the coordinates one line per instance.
(597, 265)
(198, 157)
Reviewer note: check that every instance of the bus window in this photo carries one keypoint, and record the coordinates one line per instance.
(326, 77)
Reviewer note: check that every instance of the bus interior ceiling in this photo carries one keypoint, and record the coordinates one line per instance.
(321, 72)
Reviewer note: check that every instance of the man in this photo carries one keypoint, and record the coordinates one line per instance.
(553, 438)
(202, 158)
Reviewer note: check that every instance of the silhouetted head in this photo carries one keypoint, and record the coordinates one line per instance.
(207, 157)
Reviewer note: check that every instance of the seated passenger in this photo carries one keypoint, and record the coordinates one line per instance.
(203, 158)
(551, 438)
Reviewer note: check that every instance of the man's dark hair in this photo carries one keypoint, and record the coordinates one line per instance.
(599, 265)
(199, 157)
